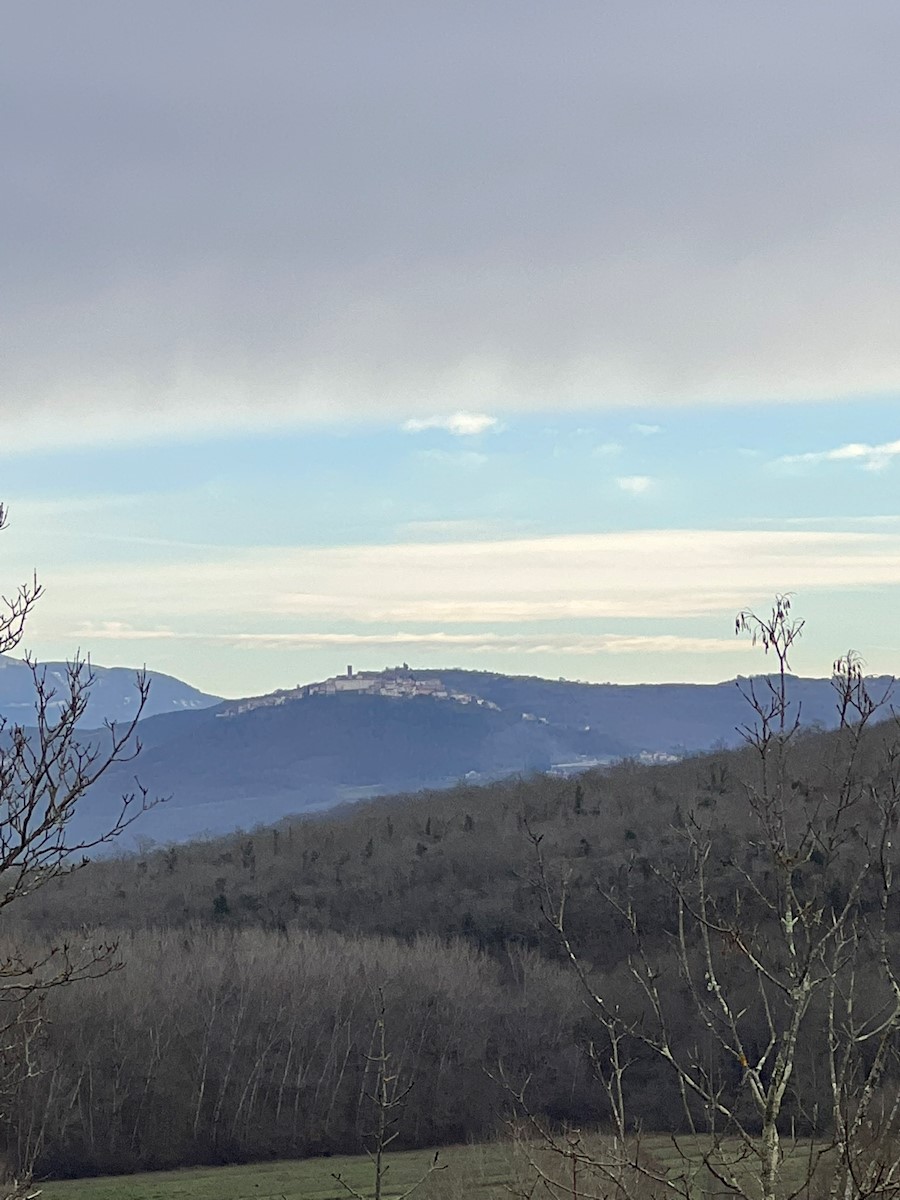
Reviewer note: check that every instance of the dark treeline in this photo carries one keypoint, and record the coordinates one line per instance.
(217, 1045)
(240, 1023)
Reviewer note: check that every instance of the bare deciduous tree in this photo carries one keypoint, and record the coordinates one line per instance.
(388, 1098)
(46, 769)
(782, 948)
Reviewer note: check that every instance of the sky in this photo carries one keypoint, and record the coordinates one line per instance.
(531, 337)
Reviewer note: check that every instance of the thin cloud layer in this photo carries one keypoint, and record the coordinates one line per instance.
(487, 642)
(646, 430)
(222, 216)
(460, 424)
(637, 575)
(870, 458)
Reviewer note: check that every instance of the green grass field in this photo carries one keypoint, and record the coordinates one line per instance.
(478, 1171)
(483, 1172)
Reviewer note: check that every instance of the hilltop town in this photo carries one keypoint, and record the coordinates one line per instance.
(394, 682)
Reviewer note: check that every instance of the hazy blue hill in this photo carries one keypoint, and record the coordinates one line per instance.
(224, 771)
(668, 717)
(113, 694)
(227, 769)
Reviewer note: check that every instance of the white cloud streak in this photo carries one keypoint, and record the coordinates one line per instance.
(460, 424)
(635, 485)
(485, 642)
(870, 458)
(622, 576)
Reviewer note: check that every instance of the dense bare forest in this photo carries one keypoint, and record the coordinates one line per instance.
(222, 1045)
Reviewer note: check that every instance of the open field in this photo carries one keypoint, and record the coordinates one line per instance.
(478, 1171)
(483, 1172)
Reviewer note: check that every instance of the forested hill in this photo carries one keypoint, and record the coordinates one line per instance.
(442, 862)
(224, 772)
(244, 763)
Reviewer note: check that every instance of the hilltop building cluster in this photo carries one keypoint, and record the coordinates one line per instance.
(396, 682)
(393, 681)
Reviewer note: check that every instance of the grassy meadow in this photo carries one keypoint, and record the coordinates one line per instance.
(478, 1171)
(483, 1172)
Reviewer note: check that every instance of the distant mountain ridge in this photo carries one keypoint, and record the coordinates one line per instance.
(669, 718)
(113, 696)
(238, 764)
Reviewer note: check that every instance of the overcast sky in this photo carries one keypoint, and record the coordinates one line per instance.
(524, 335)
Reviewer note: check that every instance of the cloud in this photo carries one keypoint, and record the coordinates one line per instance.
(661, 574)
(485, 642)
(607, 449)
(645, 430)
(870, 458)
(635, 485)
(460, 424)
(121, 631)
(558, 213)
